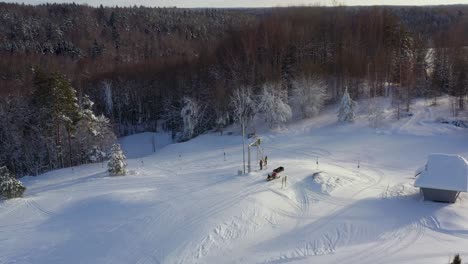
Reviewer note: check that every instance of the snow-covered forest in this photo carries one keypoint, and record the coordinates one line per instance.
(73, 78)
(270, 135)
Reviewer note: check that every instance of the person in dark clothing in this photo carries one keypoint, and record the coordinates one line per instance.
(261, 164)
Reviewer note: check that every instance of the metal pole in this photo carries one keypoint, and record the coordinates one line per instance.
(249, 165)
(243, 144)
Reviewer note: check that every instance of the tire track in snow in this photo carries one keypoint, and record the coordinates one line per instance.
(342, 206)
(433, 224)
(391, 243)
(39, 208)
(183, 225)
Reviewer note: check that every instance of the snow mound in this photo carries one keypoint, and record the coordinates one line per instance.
(445, 172)
(144, 144)
(330, 182)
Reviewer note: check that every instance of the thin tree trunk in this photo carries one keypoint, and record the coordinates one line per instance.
(70, 147)
(59, 146)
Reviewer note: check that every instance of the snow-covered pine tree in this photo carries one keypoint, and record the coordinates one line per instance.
(116, 165)
(347, 106)
(10, 187)
(93, 134)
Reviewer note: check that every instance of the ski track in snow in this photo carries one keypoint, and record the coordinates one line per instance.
(185, 204)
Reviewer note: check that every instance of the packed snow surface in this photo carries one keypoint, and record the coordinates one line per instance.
(349, 199)
(144, 144)
(445, 172)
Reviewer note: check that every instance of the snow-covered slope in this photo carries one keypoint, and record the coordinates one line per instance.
(186, 204)
(144, 144)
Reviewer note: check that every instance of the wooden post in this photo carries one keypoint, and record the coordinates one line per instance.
(284, 181)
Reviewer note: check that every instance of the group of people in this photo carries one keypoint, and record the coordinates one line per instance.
(263, 162)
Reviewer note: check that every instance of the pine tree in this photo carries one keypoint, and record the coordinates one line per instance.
(457, 259)
(9, 186)
(116, 165)
(347, 106)
(57, 108)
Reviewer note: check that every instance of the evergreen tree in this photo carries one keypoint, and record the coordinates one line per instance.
(9, 186)
(347, 106)
(457, 259)
(116, 164)
(58, 110)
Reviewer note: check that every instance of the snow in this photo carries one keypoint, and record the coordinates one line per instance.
(185, 203)
(141, 145)
(444, 172)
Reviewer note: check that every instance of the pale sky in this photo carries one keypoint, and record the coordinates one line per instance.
(243, 3)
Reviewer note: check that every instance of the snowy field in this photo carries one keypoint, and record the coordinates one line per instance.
(186, 204)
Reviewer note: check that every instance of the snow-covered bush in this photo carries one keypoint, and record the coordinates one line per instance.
(347, 106)
(9, 186)
(191, 114)
(96, 155)
(272, 104)
(308, 96)
(116, 164)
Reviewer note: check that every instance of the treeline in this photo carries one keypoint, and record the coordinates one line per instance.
(177, 69)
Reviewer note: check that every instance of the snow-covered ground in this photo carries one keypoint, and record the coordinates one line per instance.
(186, 204)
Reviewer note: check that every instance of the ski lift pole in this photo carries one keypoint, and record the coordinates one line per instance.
(243, 144)
(249, 166)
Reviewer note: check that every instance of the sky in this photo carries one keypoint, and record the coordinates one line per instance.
(243, 3)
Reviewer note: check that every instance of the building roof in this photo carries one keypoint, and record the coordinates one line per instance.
(444, 172)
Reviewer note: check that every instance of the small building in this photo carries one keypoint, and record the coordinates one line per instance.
(443, 178)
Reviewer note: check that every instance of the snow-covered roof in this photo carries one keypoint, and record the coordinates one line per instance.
(444, 172)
